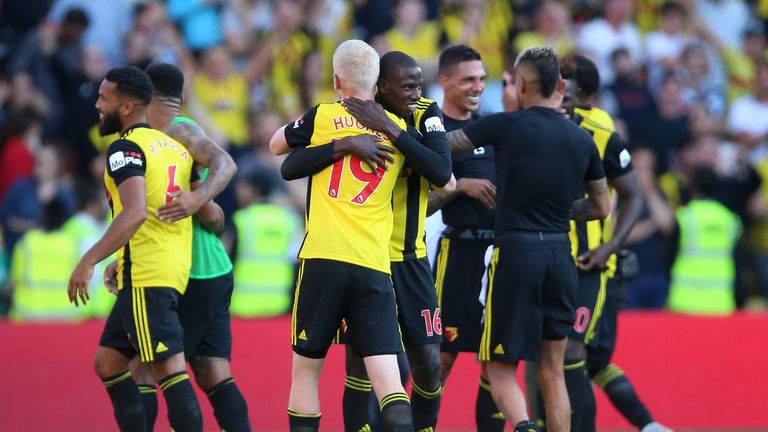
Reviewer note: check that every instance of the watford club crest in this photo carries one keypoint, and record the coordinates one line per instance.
(451, 333)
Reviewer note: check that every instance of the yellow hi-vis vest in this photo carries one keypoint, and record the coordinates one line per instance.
(264, 268)
(703, 273)
(41, 266)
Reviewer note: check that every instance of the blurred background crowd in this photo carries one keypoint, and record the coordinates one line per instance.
(687, 82)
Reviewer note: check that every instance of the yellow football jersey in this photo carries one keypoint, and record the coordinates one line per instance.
(159, 254)
(349, 211)
(616, 162)
(410, 198)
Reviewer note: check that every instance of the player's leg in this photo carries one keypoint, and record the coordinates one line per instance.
(372, 325)
(610, 377)
(488, 417)
(111, 365)
(204, 314)
(142, 374)
(558, 296)
(515, 334)
(317, 311)
(552, 383)
(160, 338)
(422, 329)
(357, 392)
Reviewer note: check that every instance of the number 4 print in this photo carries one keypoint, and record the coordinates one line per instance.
(432, 323)
(172, 186)
(371, 179)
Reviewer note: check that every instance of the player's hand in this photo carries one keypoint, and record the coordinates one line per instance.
(78, 283)
(367, 148)
(479, 189)
(594, 259)
(371, 115)
(184, 204)
(110, 277)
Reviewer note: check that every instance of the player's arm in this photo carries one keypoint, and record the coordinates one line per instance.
(210, 215)
(433, 131)
(488, 130)
(306, 161)
(596, 205)
(482, 190)
(221, 169)
(621, 176)
(428, 161)
(128, 173)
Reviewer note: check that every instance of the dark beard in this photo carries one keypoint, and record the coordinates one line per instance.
(110, 124)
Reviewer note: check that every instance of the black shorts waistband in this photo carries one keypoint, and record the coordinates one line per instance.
(531, 237)
(469, 233)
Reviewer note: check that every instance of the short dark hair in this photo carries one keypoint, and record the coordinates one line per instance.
(76, 16)
(132, 82)
(394, 60)
(456, 54)
(583, 71)
(544, 62)
(167, 80)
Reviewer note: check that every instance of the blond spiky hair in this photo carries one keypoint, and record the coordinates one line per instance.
(357, 65)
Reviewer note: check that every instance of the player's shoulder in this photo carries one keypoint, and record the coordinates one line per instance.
(596, 118)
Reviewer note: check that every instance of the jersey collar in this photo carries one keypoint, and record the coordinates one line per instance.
(137, 125)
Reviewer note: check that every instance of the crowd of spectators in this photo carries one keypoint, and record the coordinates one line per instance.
(686, 80)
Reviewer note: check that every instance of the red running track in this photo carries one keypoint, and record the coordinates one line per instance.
(694, 373)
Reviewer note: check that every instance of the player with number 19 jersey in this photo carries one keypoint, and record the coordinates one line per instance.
(345, 272)
(349, 211)
(160, 253)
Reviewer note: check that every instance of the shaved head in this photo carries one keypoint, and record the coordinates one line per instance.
(393, 61)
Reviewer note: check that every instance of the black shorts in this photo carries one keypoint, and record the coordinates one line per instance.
(531, 293)
(459, 269)
(144, 321)
(204, 315)
(590, 298)
(417, 309)
(328, 291)
(600, 349)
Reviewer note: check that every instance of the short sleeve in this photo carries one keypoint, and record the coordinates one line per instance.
(595, 168)
(617, 160)
(299, 132)
(125, 159)
(484, 131)
(432, 120)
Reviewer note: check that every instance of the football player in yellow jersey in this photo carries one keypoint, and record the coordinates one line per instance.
(594, 245)
(399, 92)
(143, 167)
(344, 270)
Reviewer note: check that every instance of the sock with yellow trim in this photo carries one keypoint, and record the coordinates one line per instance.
(425, 405)
(623, 396)
(303, 422)
(396, 412)
(488, 417)
(149, 396)
(357, 394)
(183, 410)
(579, 389)
(126, 401)
(229, 406)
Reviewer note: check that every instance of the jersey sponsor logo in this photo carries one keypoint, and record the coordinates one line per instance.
(498, 350)
(625, 158)
(479, 151)
(120, 159)
(451, 334)
(116, 161)
(303, 335)
(161, 348)
(434, 124)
